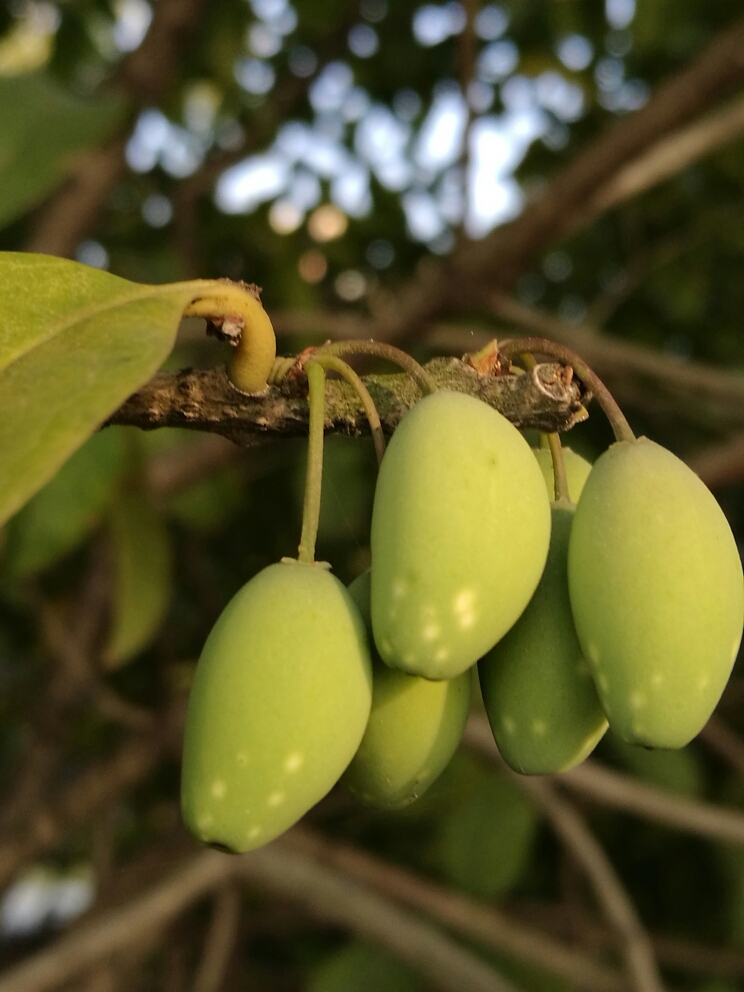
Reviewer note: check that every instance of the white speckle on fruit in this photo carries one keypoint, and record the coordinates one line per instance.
(254, 832)
(638, 700)
(657, 679)
(508, 724)
(593, 651)
(275, 799)
(431, 631)
(293, 762)
(441, 655)
(409, 658)
(219, 788)
(539, 728)
(463, 606)
(703, 682)
(464, 601)
(385, 646)
(604, 682)
(400, 588)
(205, 821)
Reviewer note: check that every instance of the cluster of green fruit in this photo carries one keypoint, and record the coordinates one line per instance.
(626, 607)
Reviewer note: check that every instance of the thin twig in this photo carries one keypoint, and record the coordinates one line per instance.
(672, 154)
(622, 792)
(88, 794)
(283, 871)
(483, 924)
(220, 940)
(144, 75)
(619, 791)
(725, 742)
(586, 850)
(720, 464)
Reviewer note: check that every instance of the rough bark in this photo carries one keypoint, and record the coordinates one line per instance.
(548, 400)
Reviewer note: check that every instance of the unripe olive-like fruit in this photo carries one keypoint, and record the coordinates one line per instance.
(460, 533)
(414, 728)
(577, 471)
(656, 590)
(537, 687)
(279, 703)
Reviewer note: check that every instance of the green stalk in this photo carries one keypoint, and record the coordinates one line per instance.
(541, 346)
(559, 468)
(369, 347)
(314, 476)
(368, 404)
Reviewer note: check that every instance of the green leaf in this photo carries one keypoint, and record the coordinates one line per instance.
(362, 969)
(209, 504)
(75, 342)
(43, 128)
(485, 842)
(143, 577)
(67, 509)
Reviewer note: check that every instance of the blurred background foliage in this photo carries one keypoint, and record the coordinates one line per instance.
(328, 151)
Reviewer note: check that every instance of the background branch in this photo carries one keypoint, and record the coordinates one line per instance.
(504, 255)
(145, 75)
(588, 853)
(325, 893)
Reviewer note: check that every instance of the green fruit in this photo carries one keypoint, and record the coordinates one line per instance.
(537, 687)
(278, 707)
(656, 590)
(577, 471)
(460, 533)
(414, 728)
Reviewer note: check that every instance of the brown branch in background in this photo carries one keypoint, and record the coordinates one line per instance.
(612, 897)
(116, 930)
(145, 76)
(73, 212)
(623, 792)
(580, 841)
(219, 942)
(548, 400)
(178, 468)
(725, 742)
(618, 791)
(681, 954)
(91, 792)
(284, 872)
(507, 253)
(720, 464)
(657, 255)
(671, 155)
(477, 922)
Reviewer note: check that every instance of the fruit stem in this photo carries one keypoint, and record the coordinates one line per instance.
(541, 346)
(314, 476)
(369, 347)
(368, 404)
(559, 468)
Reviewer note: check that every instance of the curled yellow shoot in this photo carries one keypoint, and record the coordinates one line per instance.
(233, 307)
